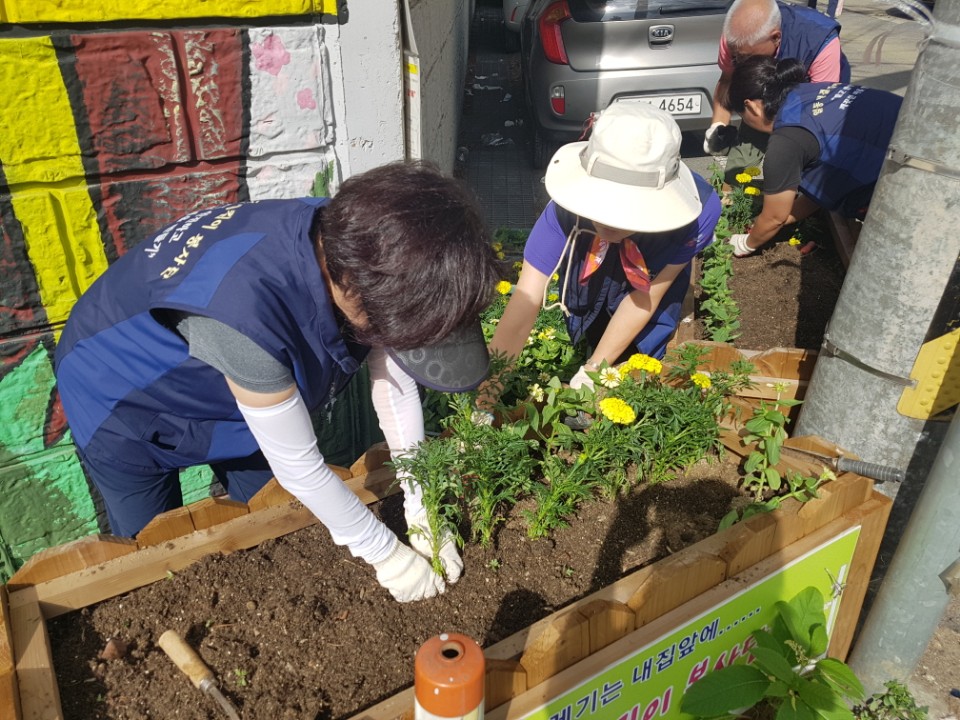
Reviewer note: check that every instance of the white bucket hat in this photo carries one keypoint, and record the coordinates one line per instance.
(628, 175)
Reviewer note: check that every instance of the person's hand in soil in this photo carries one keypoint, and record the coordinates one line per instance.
(407, 575)
(740, 247)
(418, 528)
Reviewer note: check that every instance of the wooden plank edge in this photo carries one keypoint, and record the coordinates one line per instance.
(777, 553)
(91, 585)
(36, 679)
(872, 516)
(844, 239)
(9, 691)
(572, 676)
(208, 513)
(70, 557)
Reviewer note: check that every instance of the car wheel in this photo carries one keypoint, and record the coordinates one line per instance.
(542, 149)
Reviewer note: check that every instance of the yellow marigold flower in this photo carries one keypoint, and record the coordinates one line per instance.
(500, 255)
(616, 410)
(497, 247)
(752, 171)
(504, 287)
(743, 178)
(641, 362)
(793, 241)
(751, 191)
(548, 334)
(555, 277)
(517, 265)
(609, 377)
(701, 380)
(553, 297)
(536, 392)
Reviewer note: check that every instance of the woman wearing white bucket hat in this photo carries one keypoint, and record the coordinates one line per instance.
(624, 189)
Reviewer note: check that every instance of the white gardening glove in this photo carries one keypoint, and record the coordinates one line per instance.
(418, 529)
(740, 247)
(581, 379)
(718, 138)
(408, 576)
(481, 417)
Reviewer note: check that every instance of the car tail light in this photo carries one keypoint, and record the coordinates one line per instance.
(550, 37)
(558, 101)
(513, 14)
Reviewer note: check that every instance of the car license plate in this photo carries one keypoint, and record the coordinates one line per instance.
(673, 104)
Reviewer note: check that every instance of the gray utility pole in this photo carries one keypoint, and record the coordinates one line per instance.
(888, 374)
(924, 571)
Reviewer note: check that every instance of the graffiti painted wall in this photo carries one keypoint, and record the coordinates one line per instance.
(125, 117)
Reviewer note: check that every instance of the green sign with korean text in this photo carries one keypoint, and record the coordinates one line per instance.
(650, 682)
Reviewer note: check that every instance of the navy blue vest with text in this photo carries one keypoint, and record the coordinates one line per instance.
(131, 393)
(599, 298)
(853, 126)
(804, 33)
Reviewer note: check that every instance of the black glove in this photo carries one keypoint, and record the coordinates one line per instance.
(718, 138)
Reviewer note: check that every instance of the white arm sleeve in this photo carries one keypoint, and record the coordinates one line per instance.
(286, 437)
(397, 402)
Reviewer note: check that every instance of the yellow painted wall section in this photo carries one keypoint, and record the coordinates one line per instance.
(39, 145)
(81, 11)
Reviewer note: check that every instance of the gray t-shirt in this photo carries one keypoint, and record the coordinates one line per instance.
(234, 354)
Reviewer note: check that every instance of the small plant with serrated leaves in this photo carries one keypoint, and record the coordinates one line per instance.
(495, 465)
(788, 678)
(895, 702)
(432, 468)
(567, 483)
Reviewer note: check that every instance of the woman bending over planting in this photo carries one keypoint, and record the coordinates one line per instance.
(625, 220)
(827, 143)
(213, 340)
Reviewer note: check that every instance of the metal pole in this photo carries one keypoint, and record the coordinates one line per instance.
(901, 284)
(924, 571)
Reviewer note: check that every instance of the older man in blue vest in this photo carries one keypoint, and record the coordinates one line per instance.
(776, 29)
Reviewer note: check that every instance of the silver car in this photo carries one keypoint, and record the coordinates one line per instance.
(578, 56)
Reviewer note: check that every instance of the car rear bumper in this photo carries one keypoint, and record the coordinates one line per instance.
(587, 92)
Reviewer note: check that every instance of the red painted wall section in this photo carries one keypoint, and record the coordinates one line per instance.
(135, 207)
(165, 124)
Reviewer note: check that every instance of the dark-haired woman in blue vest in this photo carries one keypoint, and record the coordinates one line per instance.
(213, 340)
(777, 29)
(827, 143)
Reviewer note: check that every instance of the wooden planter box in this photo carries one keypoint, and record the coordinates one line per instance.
(526, 670)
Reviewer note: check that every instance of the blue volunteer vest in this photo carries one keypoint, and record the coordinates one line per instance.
(130, 391)
(804, 33)
(853, 126)
(608, 286)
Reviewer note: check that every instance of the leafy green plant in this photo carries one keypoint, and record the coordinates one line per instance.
(240, 677)
(894, 703)
(432, 468)
(495, 466)
(719, 311)
(566, 484)
(788, 678)
(767, 428)
(770, 487)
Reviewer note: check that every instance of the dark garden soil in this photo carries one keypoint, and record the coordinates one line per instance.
(297, 628)
(786, 296)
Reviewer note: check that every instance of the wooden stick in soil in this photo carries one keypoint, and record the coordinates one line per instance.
(186, 658)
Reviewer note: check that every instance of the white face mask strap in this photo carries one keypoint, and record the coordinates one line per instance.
(568, 246)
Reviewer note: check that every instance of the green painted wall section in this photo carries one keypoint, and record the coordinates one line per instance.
(44, 499)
